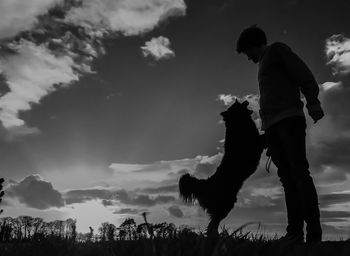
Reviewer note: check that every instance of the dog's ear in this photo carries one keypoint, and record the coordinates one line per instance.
(245, 103)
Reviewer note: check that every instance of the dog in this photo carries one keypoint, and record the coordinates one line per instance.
(243, 148)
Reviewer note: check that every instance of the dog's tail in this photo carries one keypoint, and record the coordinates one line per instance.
(190, 188)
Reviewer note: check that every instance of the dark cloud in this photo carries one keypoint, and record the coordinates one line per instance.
(331, 139)
(107, 202)
(331, 216)
(128, 211)
(123, 196)
(175, 211)
(335, 152)
(327, 200)
(83, 195)
(330, 176)
(36, 193)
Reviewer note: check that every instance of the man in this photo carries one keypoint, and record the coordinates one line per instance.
(282, 75)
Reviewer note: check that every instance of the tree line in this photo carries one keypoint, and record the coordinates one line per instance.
(27, 228)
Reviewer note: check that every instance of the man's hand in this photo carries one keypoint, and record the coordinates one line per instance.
(316, 115)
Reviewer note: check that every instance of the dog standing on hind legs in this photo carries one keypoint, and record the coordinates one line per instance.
(243, 148)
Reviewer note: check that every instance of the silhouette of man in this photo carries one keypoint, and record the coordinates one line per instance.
(282, 75)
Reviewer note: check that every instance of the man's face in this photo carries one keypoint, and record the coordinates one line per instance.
(253, 54)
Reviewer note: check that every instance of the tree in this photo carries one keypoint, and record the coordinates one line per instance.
(6, 229)
(27, 224)
(127, 230)
(71, 229)
(103, 231)
(142, 230)
(38, 228)
(111, 232)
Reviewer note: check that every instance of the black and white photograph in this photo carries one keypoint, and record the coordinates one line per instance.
(174, 127)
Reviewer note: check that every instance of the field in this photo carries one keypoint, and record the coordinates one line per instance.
(183, 243)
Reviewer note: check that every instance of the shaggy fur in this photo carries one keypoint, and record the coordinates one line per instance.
(243, 147)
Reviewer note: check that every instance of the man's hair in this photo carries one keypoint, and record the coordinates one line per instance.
(251, 36)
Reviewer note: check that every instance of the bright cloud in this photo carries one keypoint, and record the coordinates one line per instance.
(338, 53)
(31, 74)
(158, 48)
(130, 17)
(330, 85)
(227, 98)
(253, 100)
(19, 15)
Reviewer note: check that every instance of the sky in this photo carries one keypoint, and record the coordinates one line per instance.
(105, 104)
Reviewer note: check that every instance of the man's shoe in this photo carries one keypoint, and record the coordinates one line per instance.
(313, 241)
(291, 239)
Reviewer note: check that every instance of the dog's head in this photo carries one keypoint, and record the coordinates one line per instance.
(237, 111)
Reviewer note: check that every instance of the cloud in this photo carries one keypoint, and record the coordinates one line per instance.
(128, 211)
(31, 74)
(158, 48)
(338, 53)
(328, 200)
(175, 211)
(143, 200)
(34, 192)
(156, 174)
(330, 85)
(161, 189)
(253, 100)
(19, 15)
(329, 140)
(228, 99)
(332, 216)
(50, 44)
(207, 166)
(107, 202)
(130, 17)
(83, 195)
(108, 197)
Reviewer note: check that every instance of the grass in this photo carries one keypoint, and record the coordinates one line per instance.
(183, 243)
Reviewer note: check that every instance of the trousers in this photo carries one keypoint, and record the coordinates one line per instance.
(286, 143)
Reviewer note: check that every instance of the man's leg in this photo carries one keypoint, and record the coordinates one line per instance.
(291, 132)
(292, 199)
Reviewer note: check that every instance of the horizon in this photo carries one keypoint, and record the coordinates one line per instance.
(105, 104)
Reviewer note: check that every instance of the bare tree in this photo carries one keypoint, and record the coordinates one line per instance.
(2, 193)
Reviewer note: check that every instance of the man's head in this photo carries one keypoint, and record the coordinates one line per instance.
(252, 42)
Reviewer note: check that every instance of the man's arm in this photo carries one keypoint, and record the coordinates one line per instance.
(298, 71)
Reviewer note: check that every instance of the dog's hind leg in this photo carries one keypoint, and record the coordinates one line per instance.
(212, 229)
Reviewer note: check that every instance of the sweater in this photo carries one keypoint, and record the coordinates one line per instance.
(282, 76)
